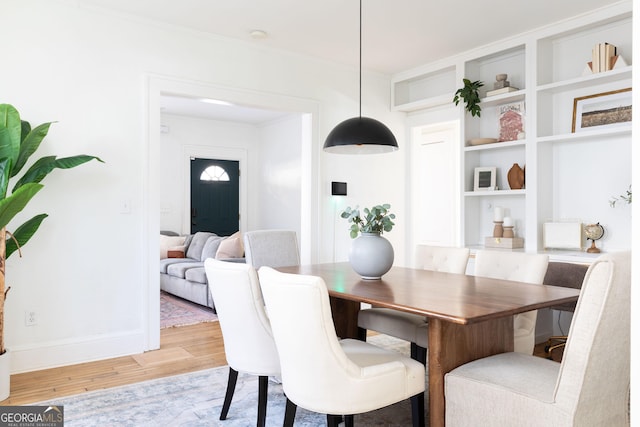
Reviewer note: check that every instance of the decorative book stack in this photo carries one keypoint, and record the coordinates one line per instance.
(603, 57)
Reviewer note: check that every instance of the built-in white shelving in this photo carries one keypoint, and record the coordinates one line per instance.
(569, 175)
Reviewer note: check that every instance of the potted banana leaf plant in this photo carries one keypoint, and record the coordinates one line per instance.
(18, 141)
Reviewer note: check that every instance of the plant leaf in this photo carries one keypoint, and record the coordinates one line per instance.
(29, 144)
(24, 233)
(45, 165)
(12, 205)
(10, 132)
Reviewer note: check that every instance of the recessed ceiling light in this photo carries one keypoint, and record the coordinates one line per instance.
(258, 34)
(215, 101)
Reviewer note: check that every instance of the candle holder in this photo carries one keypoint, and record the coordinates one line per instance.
(498, 230)
(508, 231)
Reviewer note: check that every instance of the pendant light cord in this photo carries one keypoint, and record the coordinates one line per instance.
(360, 64)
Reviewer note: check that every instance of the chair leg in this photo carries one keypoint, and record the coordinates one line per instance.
(419, 353)
(263, 385)
(362, 334)
(348, 421)
(231, 386)
(333, 420)
(417, 410)
(289, 414)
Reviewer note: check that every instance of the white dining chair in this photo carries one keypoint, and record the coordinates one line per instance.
(273, 248)
(407, 326)
(246, 332)
(324, 374)
(590, 387)
(519, 267)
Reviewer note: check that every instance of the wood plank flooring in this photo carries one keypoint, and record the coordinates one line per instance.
(183, 349)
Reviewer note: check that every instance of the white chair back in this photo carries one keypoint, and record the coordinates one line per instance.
(520, 267)
(595, 370)
(271, 248)
(310, 353)
(321, 373)
(246, 331)
(441, 258)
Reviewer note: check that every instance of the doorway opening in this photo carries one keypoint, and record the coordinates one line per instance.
(435, 182)
(158, 87)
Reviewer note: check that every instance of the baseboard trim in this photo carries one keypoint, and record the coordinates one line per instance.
(69, 352)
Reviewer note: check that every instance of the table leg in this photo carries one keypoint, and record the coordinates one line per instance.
(345, 317)
(452, 345)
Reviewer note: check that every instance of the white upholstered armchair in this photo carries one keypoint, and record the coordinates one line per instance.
(324, 374)
(248, 343)
(590, 387)
(273, 248)
(520, 267)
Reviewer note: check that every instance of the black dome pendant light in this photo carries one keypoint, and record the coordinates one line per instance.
(360, 135)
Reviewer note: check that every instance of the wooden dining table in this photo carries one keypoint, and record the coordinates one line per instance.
(469, 317)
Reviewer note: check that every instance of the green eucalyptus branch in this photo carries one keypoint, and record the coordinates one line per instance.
(378, 219)
(623, 197)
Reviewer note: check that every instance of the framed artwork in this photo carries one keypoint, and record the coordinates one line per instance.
(511, 121)
(484, 179)
(607, 109)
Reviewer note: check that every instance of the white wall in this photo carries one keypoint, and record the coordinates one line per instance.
(85, 273)
(278, 187)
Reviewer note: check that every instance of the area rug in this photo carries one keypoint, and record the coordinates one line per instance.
(176, 311)
(195, 399)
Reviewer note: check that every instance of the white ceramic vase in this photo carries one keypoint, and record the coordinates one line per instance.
(371, 255)
(5, 375)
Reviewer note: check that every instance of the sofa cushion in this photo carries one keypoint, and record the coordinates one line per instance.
(165, 263)
(211, 247)
(168, 242)
(196, 275)
(197, 244)
(231, 247)
(180, 269)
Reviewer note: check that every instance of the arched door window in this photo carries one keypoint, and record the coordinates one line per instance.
(214, 173)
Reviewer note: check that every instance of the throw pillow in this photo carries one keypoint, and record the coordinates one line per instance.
(231, 247)
(211, 247)
(169, 242)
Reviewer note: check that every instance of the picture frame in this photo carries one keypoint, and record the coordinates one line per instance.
(484, 179)
(602, 110)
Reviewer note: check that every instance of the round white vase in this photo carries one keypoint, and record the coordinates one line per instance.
(371, 255)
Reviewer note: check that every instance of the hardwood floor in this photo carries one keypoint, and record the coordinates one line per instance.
(183, 349)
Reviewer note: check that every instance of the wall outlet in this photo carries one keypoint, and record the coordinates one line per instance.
(30, 318)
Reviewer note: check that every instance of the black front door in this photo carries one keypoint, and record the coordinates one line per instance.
(215, 196)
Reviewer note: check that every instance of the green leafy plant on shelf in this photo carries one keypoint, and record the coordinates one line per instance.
(378, 219)
(18, 141)
(470, 95)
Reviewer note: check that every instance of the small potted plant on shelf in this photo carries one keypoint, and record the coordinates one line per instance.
(470, 95)
(371, 255)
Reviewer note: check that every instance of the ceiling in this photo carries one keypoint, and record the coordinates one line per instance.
(396, 35)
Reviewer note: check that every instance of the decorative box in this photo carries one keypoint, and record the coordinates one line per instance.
(504, 242)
